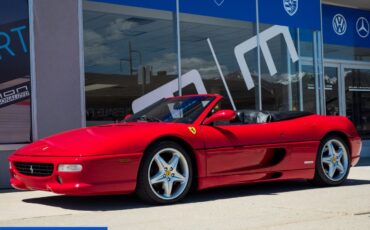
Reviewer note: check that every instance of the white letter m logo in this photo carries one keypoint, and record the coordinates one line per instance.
(265, 36)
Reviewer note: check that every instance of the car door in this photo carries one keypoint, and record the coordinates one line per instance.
(244, 148)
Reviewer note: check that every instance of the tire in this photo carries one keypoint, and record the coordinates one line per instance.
(332, 162)
(165, 174)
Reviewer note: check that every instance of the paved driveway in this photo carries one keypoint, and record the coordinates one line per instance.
(287, 205)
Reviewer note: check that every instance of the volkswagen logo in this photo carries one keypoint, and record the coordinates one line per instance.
(219, 2)
(362, 27)
(339, 24)
(291, 6)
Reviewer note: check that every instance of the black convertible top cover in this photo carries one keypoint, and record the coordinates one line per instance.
(282, 116)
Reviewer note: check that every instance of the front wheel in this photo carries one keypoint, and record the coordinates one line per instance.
(332, 163)
(165, 175)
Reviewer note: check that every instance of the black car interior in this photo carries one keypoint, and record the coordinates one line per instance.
(259, 117)
(255, 116)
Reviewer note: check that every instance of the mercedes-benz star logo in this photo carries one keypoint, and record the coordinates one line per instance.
(31, 169)
(291, 6)
(219, 2)
(362, 27)
(339, 24)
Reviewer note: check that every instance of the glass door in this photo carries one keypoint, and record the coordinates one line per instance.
(347, 92)
(357, 97)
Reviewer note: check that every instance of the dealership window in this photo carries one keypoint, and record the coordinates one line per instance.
(347, 64)
(129, 51)
(357, 87)
(208, 42)
(291, 60)
(15, 86)
(131, 54)
(292, 87)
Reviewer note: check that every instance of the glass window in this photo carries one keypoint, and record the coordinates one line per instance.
(15, 86)
(206, 40)
(129, 51)
(346, 53)
(331, 90)
(357, 89)
(131, 55)
(292, 87)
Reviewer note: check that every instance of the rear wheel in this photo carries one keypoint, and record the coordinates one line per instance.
(165, 175)
(332, 163)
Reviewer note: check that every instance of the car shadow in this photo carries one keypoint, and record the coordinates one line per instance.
(126, 202)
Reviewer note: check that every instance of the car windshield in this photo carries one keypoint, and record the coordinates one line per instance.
(177, 109)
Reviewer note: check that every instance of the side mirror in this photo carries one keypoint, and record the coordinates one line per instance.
(222, 115)
(127, 117)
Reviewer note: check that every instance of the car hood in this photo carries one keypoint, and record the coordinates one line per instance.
(98, 140)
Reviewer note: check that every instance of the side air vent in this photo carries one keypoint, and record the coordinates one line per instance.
(279, 155)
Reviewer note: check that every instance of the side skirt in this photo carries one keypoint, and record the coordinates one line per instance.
(218, 181)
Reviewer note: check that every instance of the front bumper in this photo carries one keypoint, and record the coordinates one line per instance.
(109, 174)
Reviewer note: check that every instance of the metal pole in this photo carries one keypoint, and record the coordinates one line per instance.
(221, 74)
(321, 63)
(259, 59)
(301, 106)
(130, 57)
(178, 46)
(290, 89)
(316, 74)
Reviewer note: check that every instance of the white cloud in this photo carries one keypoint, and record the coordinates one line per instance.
(116, 28)
(92, 38)
(207, 69)
(168, 62)
(99, 52)
(96, 52)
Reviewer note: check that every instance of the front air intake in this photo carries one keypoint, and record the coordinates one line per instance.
(34, 169)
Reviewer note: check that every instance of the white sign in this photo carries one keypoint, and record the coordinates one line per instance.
(362, 27)
(265, 36)
(291, 6)
(219, 2)
(339, 24)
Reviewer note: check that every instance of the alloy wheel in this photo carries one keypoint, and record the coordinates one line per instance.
(168, 173)
(334, 160)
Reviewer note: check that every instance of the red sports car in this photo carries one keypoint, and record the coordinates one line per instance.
(190, 141)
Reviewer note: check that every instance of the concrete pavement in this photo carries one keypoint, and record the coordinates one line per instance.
(283, 205)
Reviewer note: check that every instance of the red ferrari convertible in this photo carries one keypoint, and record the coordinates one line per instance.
(190, 141)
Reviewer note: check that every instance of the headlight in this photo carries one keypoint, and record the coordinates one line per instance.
(70, 168)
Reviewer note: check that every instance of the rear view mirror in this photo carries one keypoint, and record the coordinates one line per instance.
(222, 115)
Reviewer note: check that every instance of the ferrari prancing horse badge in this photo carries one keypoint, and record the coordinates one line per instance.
(192, 130)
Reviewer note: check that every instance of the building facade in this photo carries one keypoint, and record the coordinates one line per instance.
(70, 64)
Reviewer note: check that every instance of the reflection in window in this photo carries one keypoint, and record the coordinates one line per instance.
(357, 86)
(292, 88)
(15, 81)
(224, 35)
(126, 56)
(331, 90)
